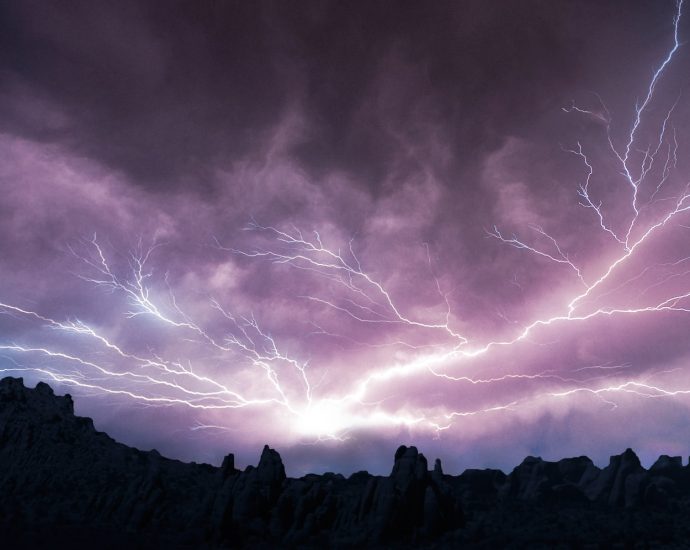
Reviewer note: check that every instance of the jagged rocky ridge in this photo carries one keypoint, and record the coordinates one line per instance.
(62, 482)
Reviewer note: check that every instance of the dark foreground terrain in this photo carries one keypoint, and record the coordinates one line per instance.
(63, 484)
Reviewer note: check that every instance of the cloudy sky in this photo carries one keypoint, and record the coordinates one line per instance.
(339, 227)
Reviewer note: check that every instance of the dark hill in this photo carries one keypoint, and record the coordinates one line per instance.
(63, 484)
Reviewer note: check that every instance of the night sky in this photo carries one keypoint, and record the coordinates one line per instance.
(338, 227)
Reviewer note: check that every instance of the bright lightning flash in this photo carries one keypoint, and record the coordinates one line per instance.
(251, 370)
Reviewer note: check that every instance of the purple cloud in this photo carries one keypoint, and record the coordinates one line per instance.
(338, 230)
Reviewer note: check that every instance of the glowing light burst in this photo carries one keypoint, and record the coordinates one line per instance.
(249, 368)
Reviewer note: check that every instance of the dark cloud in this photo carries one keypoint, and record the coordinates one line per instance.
(168, 91)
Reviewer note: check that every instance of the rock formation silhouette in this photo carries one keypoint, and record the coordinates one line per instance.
(62, 483)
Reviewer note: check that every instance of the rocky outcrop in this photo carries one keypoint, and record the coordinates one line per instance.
(62, 482)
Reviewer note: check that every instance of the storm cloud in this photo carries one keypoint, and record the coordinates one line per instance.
(397, 135)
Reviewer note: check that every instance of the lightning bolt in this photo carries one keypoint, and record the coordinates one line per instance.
(255, 372)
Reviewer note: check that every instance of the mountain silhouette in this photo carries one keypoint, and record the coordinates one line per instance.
(64, 484)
